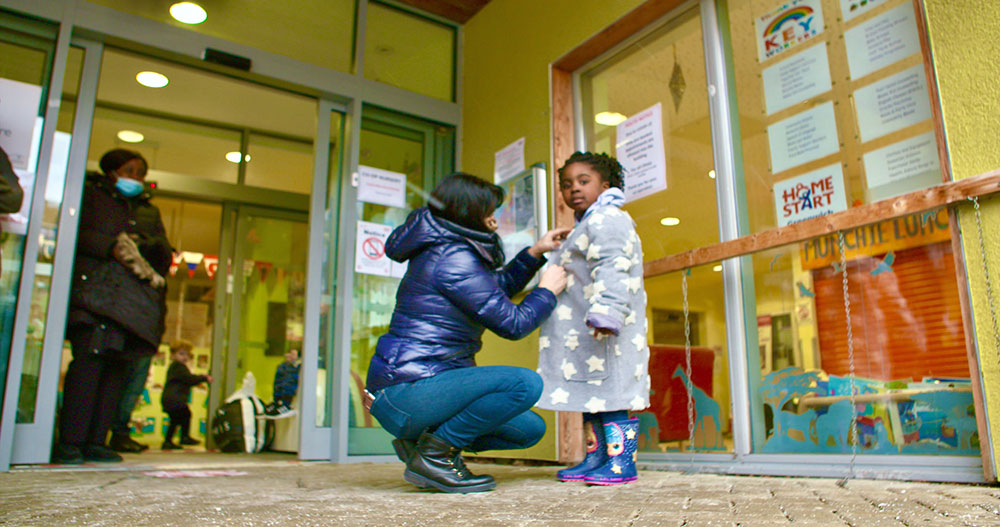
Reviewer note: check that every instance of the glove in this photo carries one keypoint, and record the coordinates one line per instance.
(127, 253)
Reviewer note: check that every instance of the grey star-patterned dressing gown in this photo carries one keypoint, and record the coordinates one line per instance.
(603, 260)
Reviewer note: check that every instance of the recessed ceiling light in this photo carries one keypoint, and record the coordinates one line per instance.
(609, 118)
(670, 222)
(130, 136)
(188, 13)
(717, 268)
(711, 174)
(151, 79)
(234, 157)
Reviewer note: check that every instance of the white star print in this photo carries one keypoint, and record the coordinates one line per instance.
(593, 273)
(618, 350)
(616, 469)
(613, 212)
(543, 343)
(630, 319)
(582, 242)
(572, 332)
(595, 364)
(572, 342)
(629, 247)
(595, 405)
(621, 263)
(639, 341)
(596, 218)
(568, 369)
(638, 371)
(588, 291)
(633, 284)
(595, 383)
(600, 309)
(564, 313)
(559, 396)
(630, 434)
(599, 288)
(570, 281)
(593, 252)
(565, 257)
(638, 403)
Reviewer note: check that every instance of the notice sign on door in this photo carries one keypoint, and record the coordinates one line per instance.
(788, 26)
(640, 151)
(18, 110)
(370, 258)
(381, 187)
(810, 195)
(508, 162)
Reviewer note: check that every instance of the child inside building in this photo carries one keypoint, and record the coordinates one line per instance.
(176, 392)
(286, 383)
(593, 355)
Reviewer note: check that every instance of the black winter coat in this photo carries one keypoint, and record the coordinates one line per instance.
(177, 389)
(104, 290)
(451, 293)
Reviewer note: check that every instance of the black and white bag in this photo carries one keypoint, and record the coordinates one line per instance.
(239, 424)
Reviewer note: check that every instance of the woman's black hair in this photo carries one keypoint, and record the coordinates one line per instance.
(466, 200)
(608, 167)
(114, 159)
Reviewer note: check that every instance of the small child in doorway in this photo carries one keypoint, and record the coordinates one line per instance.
(593, 355)
(176, 392)
(286, 383)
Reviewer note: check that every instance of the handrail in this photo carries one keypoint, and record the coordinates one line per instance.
(917, 201)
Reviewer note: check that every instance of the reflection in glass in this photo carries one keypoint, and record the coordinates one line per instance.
(279, 164)
(328, 295)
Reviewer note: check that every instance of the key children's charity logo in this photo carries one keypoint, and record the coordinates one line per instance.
(791, 24)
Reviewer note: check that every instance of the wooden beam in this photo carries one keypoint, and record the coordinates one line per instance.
(917, 201)
(562, 140)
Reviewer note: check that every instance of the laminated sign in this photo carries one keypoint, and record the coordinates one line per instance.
(788, 26)
(370, 256)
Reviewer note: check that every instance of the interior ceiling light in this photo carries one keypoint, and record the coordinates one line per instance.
(609, 118)
(717, 268)
(188, 13)
(670, 221)
(151, 79)
(130, 136)
(711, 174)
(234, 157)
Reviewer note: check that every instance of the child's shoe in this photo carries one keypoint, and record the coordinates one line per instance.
(597, 453)
(622, 441)
(167, 445)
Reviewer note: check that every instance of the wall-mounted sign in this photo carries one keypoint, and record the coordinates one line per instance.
(796, 79)
(881, 41)
(508, 162)
(18, 110)
(810, 195)
(370, 258)
(381, 187)
(892, 103)
(803, 137)
(791, 24)
(896, 234)
(640, 151)
(853, 8)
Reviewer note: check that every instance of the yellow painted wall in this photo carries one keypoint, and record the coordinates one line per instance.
(964, 42)
(508, 48)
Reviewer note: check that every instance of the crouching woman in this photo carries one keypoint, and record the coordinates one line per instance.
(427, 390)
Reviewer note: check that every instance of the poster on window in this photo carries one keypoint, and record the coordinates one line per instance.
(810, 195)
(370, 258)
(517, 224)
(892, 103)
(881, 41)
(901, 167)
(796, 79)
(508, 161)
(18, 111)
(803, 137)
(852, 8)
(641, 153)
(788, 26)
(382, 187)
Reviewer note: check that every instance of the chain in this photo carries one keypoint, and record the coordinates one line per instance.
(687, 362)
(850, 356)
(986, 274)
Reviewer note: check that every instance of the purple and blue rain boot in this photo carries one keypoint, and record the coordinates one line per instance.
(622, 440)
(597, 454)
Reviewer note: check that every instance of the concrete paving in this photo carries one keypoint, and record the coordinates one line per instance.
(275, 489)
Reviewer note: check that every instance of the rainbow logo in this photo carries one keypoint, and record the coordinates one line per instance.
(793, 14)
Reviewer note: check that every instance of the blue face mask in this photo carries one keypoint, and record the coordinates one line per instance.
(129, 187)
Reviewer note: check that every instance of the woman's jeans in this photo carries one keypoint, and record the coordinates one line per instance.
(135, 381)
(477, 408)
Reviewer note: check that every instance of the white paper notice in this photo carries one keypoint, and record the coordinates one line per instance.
(370, 258)
(892, 103)
(640, 151)
(508, 162)
(796, 79)
(881, 41)
(18, 110)
(381, 187)
(910, 158)
(802, 138)
(853, 8)
(810, 195)
(791, 24)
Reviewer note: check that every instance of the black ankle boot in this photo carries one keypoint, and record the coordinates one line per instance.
(438, 464)
(404, 449)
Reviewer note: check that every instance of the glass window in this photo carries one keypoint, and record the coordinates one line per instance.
(279, 164)
(410, 52)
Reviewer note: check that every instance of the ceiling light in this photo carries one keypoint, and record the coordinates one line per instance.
(609, 118)
(151, 79)
(130, 136)
(188, 13)
(717, 268)
(670, 222)
(711, 174)
(234, 157)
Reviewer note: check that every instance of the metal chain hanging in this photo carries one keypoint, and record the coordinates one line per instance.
(689, 385)
(853, 438)
(986, 273)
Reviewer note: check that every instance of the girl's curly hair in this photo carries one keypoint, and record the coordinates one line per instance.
(608, 167)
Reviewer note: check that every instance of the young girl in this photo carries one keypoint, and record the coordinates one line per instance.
(593, 355)
(176, 393)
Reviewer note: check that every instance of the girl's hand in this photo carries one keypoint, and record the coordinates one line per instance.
(554, 279)
(552, 240)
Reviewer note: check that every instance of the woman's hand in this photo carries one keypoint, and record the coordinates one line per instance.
(553, 278)
(552, 240)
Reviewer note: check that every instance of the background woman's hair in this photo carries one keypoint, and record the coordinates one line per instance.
(608, 167)
(114, 159)
(466, 200)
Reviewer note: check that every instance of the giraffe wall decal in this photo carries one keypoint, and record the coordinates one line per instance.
(704, 407)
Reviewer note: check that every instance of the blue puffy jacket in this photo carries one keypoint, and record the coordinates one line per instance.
(452, 291)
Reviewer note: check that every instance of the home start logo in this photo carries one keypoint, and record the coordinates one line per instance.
(791, 24)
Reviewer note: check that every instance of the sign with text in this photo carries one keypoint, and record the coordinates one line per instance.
(640, 151)
(381, 187)
(853, 8)
(18, 111)
(896, 234)
(892, 103)
(796, 79)
(370, 258)
(803, 137)
(881, 41)
(508, 162)
(907, 159)
(791, 24)
(810, 195)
